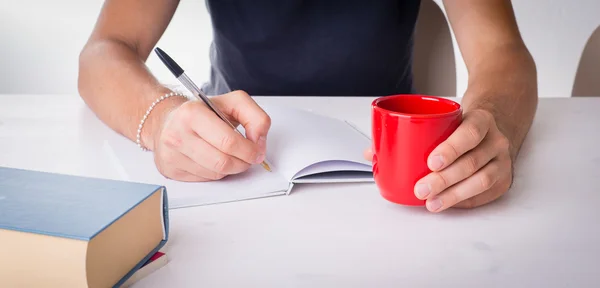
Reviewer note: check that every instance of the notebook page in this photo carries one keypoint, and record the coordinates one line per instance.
(337, 177)
(138, 166)
(334, 165)
(298, 139)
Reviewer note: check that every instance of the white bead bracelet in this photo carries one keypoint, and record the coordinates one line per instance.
(139, 130)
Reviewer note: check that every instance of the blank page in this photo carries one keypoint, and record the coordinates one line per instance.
(299, 139)
(138, 166)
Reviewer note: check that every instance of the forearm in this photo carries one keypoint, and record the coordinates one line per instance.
(502, 73)
(504, 82)
(116, 84)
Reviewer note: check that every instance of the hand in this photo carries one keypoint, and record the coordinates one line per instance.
(471, 168)
(194, 144)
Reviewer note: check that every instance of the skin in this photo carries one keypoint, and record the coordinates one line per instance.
(474, 166)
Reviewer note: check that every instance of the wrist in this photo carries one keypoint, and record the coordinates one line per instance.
(164, 103)
(512, 113)
(504, 83)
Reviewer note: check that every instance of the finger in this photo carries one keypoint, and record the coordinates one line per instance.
(177, 166)
(480, 182)
(480, 199)
(188, 165)
(210, 157)
(206, 124)
(468, 135)
(368, 154)
(466, 165)
(184, 176)
(249, 114)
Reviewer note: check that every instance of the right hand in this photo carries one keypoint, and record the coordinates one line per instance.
(193, 144)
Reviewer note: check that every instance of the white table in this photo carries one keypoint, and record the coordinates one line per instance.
(543, 233)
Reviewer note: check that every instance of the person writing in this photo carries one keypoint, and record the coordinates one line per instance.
(328, 48)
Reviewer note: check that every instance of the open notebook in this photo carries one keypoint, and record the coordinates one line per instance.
(302, 147)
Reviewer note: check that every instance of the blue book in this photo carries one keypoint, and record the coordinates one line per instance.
(68, 231)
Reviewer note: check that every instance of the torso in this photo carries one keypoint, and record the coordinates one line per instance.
(312, 47)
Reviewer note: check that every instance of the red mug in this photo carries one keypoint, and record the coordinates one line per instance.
(405, 130)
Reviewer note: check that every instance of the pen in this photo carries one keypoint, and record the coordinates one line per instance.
(189, 84)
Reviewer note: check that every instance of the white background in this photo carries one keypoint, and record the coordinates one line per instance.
(41, 40)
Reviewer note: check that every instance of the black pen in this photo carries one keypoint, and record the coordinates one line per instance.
(189, 84)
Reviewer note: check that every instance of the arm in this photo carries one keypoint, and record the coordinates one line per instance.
(474, 166)
(502, 73)
(189, 141)
(113, 79)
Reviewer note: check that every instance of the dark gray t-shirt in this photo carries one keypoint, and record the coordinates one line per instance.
(312, 47)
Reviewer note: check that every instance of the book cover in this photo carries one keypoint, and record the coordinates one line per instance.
(43, 207)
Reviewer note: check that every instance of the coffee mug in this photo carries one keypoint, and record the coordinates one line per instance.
(405, 130)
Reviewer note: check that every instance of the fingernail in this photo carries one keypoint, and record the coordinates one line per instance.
(260, 158)
(436, 162)
(422, 190)
(434, 204)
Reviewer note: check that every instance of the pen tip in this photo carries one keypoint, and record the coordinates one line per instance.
(266, 166)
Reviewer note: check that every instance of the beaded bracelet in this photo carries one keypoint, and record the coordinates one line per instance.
(139, 130)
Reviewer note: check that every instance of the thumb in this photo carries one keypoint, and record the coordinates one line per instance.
(241, 108)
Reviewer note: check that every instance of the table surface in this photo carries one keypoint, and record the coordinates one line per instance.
(543, 233)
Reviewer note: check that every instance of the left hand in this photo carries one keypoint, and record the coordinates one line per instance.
(471, 168)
